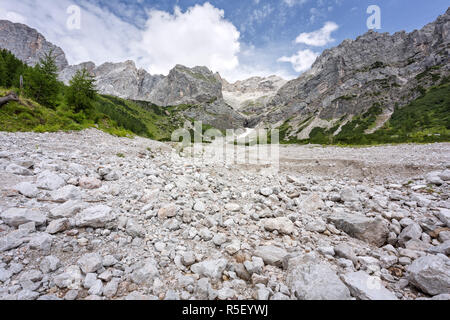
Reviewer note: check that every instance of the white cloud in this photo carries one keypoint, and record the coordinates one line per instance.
(301, 61)
(291, 3)
(199, 36)
(318, 38)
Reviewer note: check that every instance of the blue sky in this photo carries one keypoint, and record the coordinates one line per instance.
(238, 38)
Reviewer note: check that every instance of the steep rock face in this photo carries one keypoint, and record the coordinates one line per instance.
(187, 86)
(218, 114)
(28, 45)
(119, 79)
(252, 95)
(68, 72)
(374, 68)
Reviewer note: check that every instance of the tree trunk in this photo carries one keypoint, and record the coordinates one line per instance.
(9, 97)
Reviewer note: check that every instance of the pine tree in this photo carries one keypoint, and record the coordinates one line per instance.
(81, 91)
(42, 81)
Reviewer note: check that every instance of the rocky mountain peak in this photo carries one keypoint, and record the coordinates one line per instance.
(375, 68)
(28, 45)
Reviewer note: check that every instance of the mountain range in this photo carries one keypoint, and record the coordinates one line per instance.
(374, 70)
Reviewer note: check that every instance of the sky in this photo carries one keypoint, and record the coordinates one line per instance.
(237, 38)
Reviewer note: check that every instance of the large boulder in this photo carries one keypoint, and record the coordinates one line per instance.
(366, 287)
(96, 217)
(271, 255)
(371, 230)
(50, 181)
(17, 216)
(431, 274)
(312, 279)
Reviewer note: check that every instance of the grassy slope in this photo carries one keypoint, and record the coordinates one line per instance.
(111, 114)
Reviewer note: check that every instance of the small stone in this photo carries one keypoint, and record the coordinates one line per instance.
(212, 269)
(71, 295)
(109, 261)
(27, 189)
(89, 280)
(254, 266)
(90, 262)
(97, 288)
(168, 211)
(89, 183)
(145, 273)
(412, 231)
(199, 206)
(233, 207)
(226, 294)
(49, 264)
(188, 259)
(219, 239)
(282, 225)
(134, 229)
(262, 294)
(41, 241)
(266, 191)
(57, 226)
(111, 288)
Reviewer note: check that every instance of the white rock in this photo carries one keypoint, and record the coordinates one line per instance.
(282, 225)
(95, 217)
(71, 278)
(167, 211)
(50, 181)
(312, 279)
(233, 207)
(212, 269)
(271, 255)
(266, 191)
(17, 216)
(366, 287)
(27, 189)
(49, 264)
(57, 226)
(431, 274)
(90, 262)
(67, 209)
(199, 206)
(41, 241)
(145, 273)
(66, 193)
